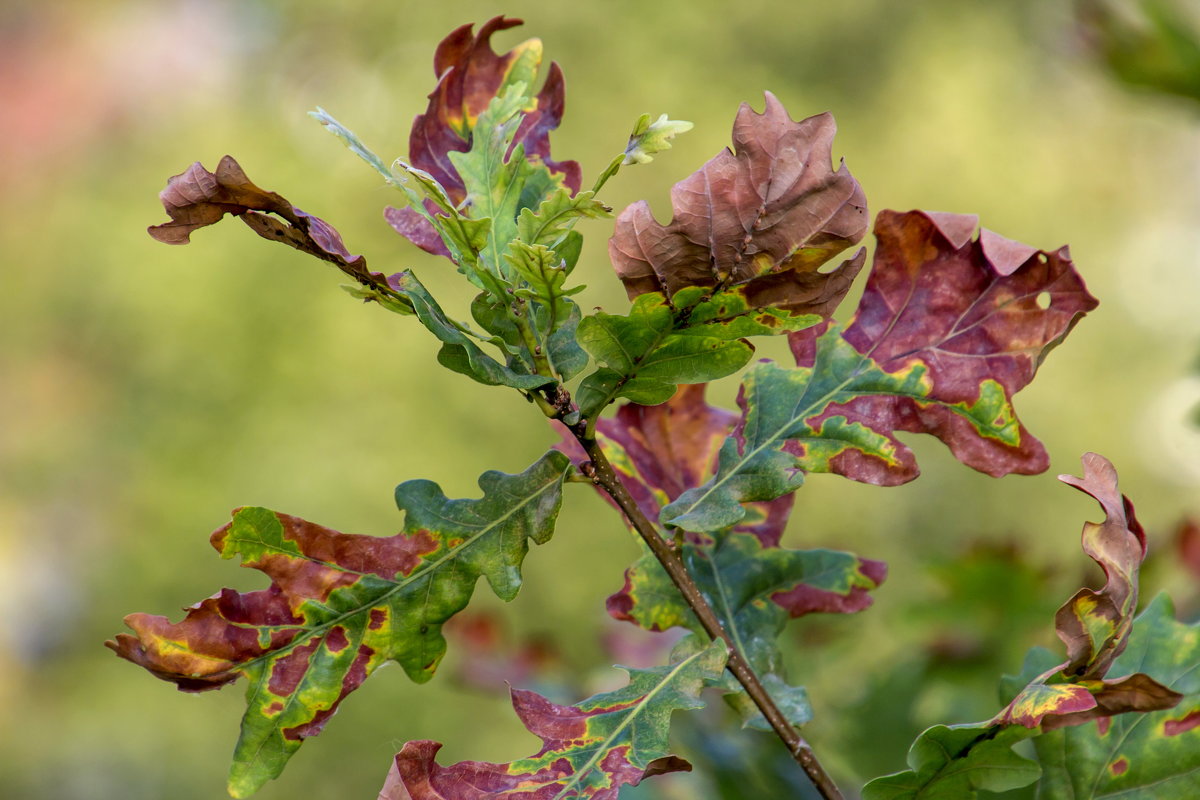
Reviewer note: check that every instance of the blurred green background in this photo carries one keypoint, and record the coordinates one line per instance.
(147, 390)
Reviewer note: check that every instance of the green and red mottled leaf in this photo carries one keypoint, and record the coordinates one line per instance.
(948, 329)
(196, 198)
(694, 337)
(661, 451)
(341, 605)
(764, 217)
(753, 584)
(966, 311)
(754, 589)
(470, 74)
(589, 750)
(1151, 756)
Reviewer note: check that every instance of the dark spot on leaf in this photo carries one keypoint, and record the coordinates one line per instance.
(336, 641)
(1119, 766)
(1102, 725)
(288, 670)
(378, 617)
(1174, 727)
(274, 708)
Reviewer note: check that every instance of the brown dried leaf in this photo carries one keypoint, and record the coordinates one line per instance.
(196, 198)
(766, 216)
(1095, 625)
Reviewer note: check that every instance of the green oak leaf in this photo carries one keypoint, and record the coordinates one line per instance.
(779, 403)
(754, 590)
(342, 605)
(460, 352)
(649, 138)
(566, 356)
(955, 762)
(1151, 756)
(499, 183)
(590, 750)
(554, 218)
(545, 272)
(694, 339)
(464, 238)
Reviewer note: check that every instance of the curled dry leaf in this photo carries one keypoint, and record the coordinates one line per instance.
(765, 217)
(196, 198)
(1094, 625)
(1151, 756)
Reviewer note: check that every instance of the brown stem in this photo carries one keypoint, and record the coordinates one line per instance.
(604, 476)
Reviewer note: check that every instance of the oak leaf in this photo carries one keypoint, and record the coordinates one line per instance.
(589, 750)
(341, 605)
(764, 217)
(470, 74)
(1151, 754)
(948, 329)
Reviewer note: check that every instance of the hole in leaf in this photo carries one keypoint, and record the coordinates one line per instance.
(1043, 300)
